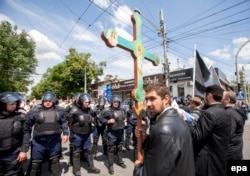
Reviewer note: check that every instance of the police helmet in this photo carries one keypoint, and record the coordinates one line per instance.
(49, 96)
(101, 101)
(184, 99)
(9, 97)
(177, 99)
(130, 102)
(77, 95)
(84, 97)
(116, 98)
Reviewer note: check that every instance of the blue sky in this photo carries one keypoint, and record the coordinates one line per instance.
(217, 27)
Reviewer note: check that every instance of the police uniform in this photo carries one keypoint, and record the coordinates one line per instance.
(115, 132)
(67, 111)
(81, 119)
(129, 127)
(48, 124)
(133, 122)
(11, 136)
(100, 128)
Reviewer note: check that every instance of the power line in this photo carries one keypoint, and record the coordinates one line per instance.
(208, 16)
(94, 20)
(208, 24)
(78, 20)
(213, 28)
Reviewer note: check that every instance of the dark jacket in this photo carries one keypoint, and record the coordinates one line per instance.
(211, 136)
(168, 149)
(236, 141)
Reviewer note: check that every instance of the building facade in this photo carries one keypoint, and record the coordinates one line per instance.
(180, 84)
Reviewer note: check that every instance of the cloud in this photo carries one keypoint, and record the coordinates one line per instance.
(83, 34)
(102, 3)
(123, 33)
(243, 47)
(6, 18)
(46, 49)
(239, 41)
(99, 25)
(149, 68)
(36, 17)
(222, 53)
(208, 62)
(50, 55)
(122, 16)
(125, 66)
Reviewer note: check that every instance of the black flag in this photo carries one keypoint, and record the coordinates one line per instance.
(213, 78)
(201, 76)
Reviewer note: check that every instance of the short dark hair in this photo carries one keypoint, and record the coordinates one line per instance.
(160, 89)
(216, 91)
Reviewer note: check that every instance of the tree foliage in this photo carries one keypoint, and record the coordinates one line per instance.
(68, 77)
(17, 59)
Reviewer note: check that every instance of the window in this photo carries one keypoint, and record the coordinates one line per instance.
(180, 89)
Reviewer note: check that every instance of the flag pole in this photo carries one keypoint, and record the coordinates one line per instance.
(194, 69)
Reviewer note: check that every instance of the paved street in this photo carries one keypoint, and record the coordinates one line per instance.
(101, 161)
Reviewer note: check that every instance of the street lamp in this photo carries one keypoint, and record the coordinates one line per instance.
(236, 63)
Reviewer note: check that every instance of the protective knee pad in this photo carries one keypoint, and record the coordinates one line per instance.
(112, 149)
(104, 141)
(54, 160)
(36, 164)
(119, 147)
(88, 151)
(55, 166)
(34, 167)
(77, 154)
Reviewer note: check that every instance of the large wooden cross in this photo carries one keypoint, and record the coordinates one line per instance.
(138, 52)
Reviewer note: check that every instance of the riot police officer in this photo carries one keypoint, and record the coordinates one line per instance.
(13, 151)
(185, 104)
(67, 111)
(100, 128)
(81, 119)
(133, 122)
(48, 121)
(129, 127)
(115, 119)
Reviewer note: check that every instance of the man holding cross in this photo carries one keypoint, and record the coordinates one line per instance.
(168, 147)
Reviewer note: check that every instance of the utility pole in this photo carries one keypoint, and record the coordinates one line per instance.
(85, 80)
(163, 33)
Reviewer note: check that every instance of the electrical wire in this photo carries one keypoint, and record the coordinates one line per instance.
(73, 27)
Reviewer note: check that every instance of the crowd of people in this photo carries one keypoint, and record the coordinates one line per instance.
(199, 137)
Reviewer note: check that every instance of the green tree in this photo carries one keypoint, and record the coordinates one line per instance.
(17, 59)
(68, 77)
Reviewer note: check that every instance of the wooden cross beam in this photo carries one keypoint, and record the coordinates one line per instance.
(138, 52)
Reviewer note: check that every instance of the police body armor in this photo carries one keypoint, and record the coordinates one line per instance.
(99, 117)
(48, 122)
(81, 122)
(11, 134)
(129, 114)
(119, 116)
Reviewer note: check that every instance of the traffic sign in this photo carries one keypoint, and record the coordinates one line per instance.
(240, 96)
